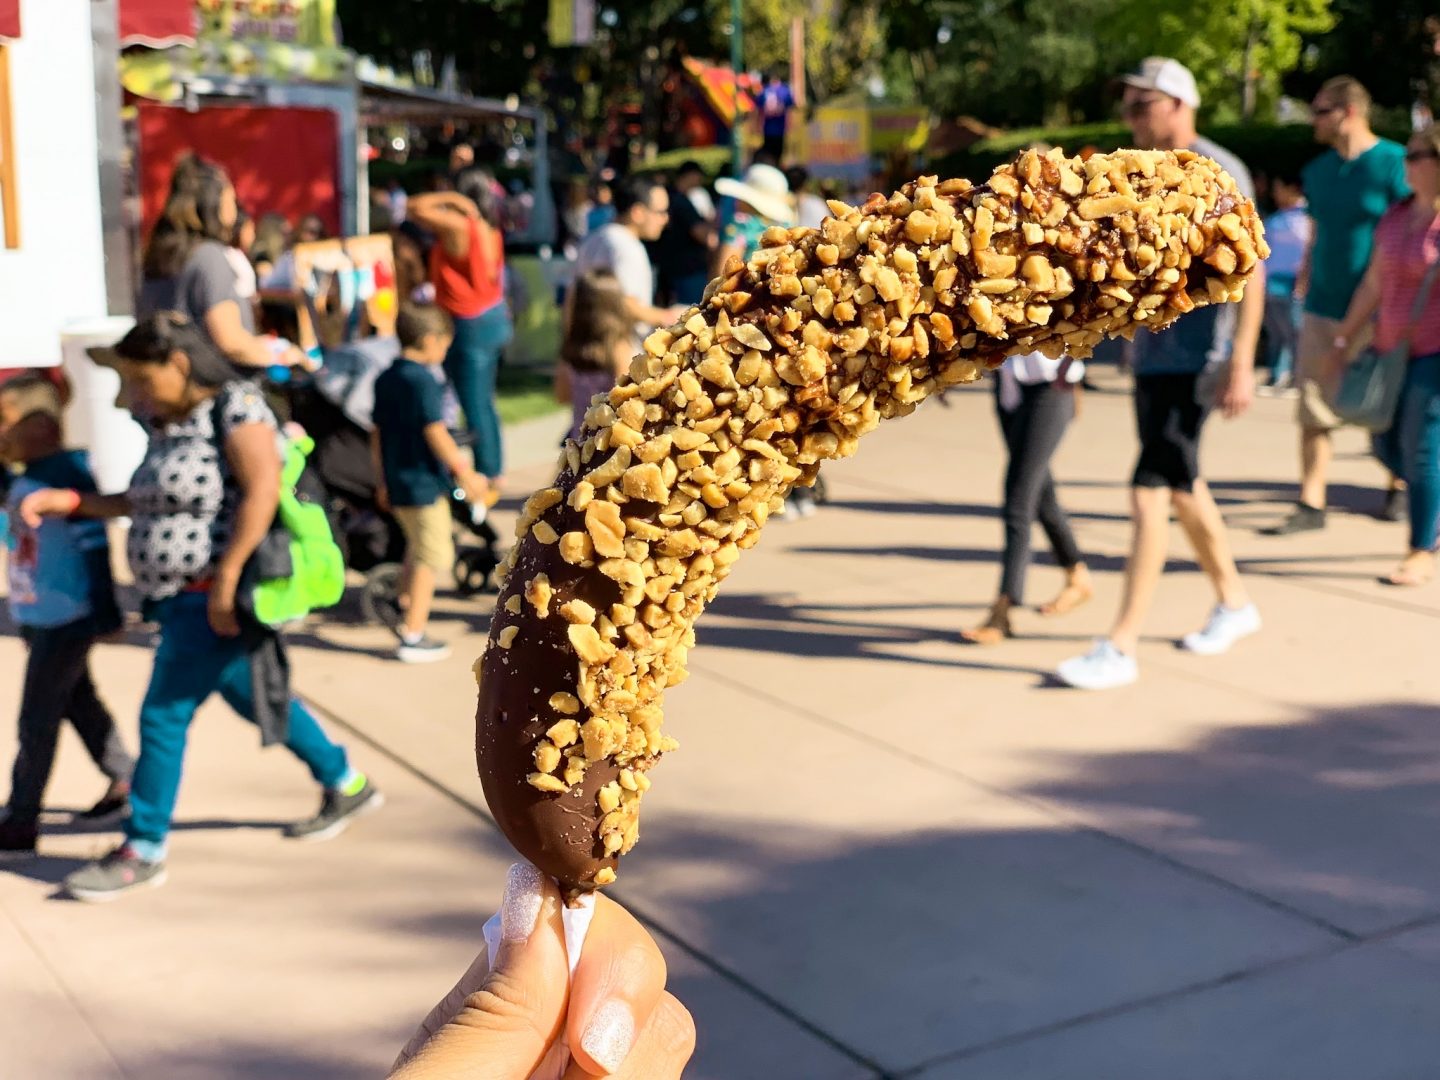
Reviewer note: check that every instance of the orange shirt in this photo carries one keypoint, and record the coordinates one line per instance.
(474, 283)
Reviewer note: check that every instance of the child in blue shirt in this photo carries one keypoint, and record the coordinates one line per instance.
(62, 597)
(1288, 232)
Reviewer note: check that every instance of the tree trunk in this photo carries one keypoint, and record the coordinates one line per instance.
(1248, 76)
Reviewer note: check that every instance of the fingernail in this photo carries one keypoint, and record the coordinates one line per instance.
(609, 1035)
(524, 896)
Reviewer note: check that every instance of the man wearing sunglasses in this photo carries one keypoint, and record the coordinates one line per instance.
(1348, 188)
(1181, 373)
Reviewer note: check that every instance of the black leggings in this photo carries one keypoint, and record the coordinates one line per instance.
(58, 687)
(1032, 433)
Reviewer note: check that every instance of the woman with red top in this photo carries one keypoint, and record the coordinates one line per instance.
(1407, 247)
(467, 267)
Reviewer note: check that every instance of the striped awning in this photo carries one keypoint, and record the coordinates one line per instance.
(156, 23)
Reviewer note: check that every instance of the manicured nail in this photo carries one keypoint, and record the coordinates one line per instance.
(609, 1035)
(524, 896)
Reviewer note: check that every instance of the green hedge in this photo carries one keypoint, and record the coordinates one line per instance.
(1265, 148)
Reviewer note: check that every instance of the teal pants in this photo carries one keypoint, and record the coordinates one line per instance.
(191, 663)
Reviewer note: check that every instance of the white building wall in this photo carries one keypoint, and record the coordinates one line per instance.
(58, 273)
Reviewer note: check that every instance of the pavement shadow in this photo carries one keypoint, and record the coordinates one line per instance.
(1364, 501)
(951, 509)
(804, 629)
(1192, 871)
(939, 553)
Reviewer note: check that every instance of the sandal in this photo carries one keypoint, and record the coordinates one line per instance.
(994, 630)
(1078, 590)
(1412, 571)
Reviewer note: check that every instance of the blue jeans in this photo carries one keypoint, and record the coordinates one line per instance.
(1411, 448)
(471, 365)
(191, 663)
(1282, 324)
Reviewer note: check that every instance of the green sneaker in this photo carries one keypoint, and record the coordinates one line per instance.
(336, 812)
(119, 872)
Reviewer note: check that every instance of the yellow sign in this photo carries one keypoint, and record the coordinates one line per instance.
(572, 22)
(305, 23)
(842, 140)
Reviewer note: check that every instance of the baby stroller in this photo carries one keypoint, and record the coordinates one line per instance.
(334, 406)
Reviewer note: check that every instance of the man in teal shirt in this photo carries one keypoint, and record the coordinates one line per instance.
(1348, 187)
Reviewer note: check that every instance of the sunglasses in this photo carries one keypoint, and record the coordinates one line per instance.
(1422, 155)
(1325, 110)
(1138, 106)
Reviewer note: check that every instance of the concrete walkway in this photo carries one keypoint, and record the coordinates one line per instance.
(942, 867)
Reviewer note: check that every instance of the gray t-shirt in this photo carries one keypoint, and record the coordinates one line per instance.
(183, 497)
(617, 249)
(206, 280)
(1204, 336)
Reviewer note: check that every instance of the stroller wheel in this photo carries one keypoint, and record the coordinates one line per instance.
(380, 597)
(473, 566)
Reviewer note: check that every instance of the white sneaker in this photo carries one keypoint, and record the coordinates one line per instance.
(1103, 668)
(1224, 627)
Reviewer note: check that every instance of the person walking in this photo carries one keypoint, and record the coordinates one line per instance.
(1035, 399)
(688, 242)
(1175, 370)
(1348, 188)
(1400, 286)
(776, 102)
(596, 349)
(419, 465)
(62, 598)
(187, 267)
(467, 267)
(199, 505)
(1288, 232)
(642, 207)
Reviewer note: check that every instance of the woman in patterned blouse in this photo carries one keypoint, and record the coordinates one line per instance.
(200, 503)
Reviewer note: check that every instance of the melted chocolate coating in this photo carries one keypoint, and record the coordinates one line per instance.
(556, 832)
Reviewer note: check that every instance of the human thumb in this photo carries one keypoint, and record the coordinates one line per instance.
(499, 1024)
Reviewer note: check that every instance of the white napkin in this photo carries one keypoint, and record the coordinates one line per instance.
(576, 923)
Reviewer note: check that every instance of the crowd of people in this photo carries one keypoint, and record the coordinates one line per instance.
(1355, 253)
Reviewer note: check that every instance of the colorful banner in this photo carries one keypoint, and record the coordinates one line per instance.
(308, 24)
(842, 141)
(836, 143)
(718, 86)
(160, 75)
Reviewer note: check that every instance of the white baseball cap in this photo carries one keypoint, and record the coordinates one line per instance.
(1167, 76)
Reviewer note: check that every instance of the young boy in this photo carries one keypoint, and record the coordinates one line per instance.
(62, 597)
(1288, 232)
(416, 459)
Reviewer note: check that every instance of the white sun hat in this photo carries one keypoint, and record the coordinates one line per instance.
(765, 188)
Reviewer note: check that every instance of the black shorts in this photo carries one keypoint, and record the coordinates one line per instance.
(1169, 416)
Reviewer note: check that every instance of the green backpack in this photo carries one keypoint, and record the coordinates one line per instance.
(298, 567)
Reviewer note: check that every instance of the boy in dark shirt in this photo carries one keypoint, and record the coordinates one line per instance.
(416, 459)
(62, 597)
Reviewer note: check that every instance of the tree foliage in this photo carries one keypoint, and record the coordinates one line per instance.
(1239, 50)
(1007, 62)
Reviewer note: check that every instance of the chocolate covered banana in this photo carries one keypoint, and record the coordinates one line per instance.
(786, 363)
